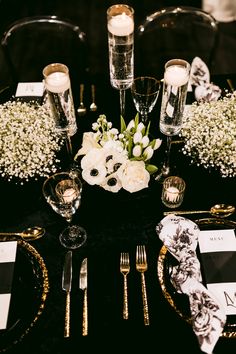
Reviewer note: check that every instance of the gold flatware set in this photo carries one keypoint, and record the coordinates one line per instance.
(66, 286)
(82, 110)
(141, 267)
(218, 210)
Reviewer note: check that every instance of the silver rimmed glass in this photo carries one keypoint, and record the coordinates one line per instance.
(145, 91)
(120, 26)
(63, 192)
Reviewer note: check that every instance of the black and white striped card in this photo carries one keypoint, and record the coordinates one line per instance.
(7, 262)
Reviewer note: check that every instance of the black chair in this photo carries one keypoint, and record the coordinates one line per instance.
(31, 43)
(174, 32)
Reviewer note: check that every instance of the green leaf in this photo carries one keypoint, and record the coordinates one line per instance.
(148, 127)
(151, 168)
(130, 146)
(152, 143)
(136, 121)
(122, 124)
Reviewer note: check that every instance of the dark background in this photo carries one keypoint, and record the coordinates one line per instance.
(91, 18)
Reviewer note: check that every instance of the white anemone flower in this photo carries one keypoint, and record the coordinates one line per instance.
(112, 183)
(114, 159)
(94, 174)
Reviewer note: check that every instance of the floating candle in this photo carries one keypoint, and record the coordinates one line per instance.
(69, 195)
(121, 25)
(176, 75)
(172, 194)
(57, 82)
(67, 191)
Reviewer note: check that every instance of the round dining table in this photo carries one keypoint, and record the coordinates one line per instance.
(115, 223)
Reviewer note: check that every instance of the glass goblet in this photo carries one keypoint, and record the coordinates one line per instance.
(63, 192)
(145, 91)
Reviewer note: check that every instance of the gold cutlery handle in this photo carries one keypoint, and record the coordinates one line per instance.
(85, 314)
(179, 212)
(145, 302)
(125, 301)
(67, 316)
(81, 93)
(93, 92)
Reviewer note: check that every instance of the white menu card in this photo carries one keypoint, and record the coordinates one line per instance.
(7, 261)
(30, 89)
(218, 259)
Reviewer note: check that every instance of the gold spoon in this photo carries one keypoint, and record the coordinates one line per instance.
(29, 234)
(93, 106)
(82, 109)
(219, 210)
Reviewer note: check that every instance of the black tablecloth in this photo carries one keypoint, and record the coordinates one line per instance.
(114, 223)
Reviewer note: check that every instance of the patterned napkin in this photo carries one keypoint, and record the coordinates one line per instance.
(180, 236)
(200, 79)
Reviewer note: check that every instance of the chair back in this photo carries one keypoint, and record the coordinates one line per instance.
(31, 43)
(174, 32)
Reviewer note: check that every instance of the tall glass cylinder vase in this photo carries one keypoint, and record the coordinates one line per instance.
(120, 25)
(58, 87)
(174, 94)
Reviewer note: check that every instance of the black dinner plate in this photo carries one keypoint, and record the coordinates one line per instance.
(179, 302)
(30, 287)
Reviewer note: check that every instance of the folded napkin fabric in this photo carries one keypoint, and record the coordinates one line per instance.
(7, 261)
(180, 236)
(205, 91)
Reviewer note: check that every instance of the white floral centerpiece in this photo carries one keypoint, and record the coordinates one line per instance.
(28, 141)
(115, 160)
(209, 132)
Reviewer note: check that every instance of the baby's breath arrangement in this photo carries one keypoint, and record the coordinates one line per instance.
(116, 159)
(209, 132)
(28, 141)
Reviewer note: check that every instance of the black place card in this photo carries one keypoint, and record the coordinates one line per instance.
(218, 259)
(7, 261)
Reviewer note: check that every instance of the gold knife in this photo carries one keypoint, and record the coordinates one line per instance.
(83, 284)
(66, 286)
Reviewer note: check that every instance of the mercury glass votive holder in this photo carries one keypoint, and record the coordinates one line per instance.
(173, 190)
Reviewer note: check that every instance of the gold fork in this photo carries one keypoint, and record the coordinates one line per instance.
(141, 266)
(124, 269)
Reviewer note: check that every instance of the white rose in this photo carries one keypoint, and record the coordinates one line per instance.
(133, 176)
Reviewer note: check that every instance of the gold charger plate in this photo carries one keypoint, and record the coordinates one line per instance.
(30, 288)
(179, 302)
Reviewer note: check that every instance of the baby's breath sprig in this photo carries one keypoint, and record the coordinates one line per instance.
(28, 141)
(209, 132)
